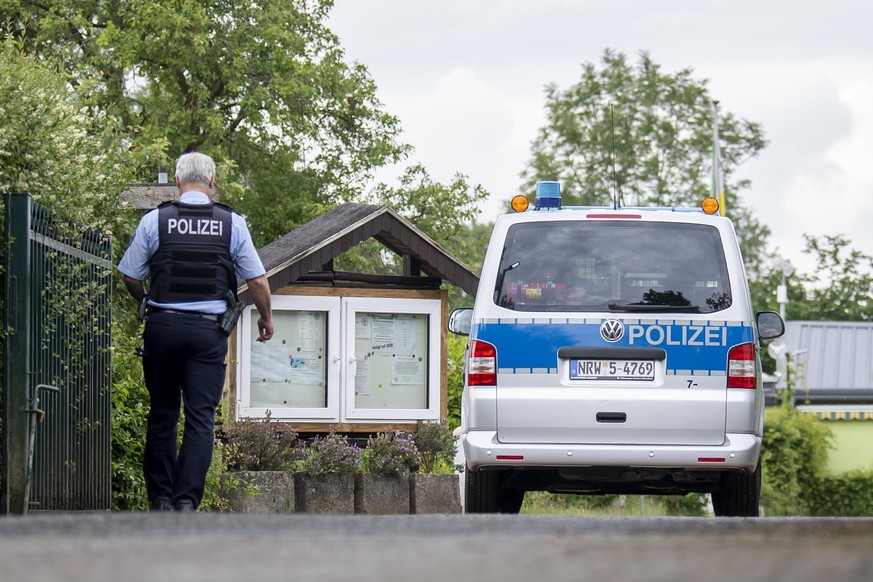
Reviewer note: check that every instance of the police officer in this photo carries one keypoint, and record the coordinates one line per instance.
(193, 251)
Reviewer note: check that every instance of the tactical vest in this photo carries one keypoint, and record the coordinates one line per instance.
(193, 261)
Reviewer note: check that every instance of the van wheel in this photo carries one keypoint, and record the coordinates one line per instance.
(485, 493)
(739, 495)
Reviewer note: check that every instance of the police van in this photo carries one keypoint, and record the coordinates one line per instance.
(612, 351)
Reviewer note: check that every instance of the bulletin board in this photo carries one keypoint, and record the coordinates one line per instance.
(392, 355)
(294, 375)
(351, 359)
(395, 346)
(290, 370)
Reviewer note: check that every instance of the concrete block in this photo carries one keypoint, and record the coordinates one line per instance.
(434, 493)
(377, 494)
(260, 491)
(329, 493)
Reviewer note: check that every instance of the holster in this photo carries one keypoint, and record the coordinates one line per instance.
(142, 310)
(227, 320)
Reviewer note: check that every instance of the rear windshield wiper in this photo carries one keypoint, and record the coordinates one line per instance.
(499, 282)
(652, 307)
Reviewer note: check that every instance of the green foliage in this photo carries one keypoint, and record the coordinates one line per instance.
(261, 86)
(542, 502)
(51, 147)
(437, 445)
(391, 453)
(692, 504)
(848, 494)
(841, 287)
(763, 288)
(794, 457)
(260, 445)
(130, 405)
(647, 135)
(217, 484)
(457, 350)
(445, 212)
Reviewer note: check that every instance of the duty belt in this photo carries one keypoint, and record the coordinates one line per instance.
(209, 316)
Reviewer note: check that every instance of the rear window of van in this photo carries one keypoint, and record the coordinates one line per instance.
(613, 266)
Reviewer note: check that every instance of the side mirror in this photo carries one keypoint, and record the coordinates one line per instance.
(770, 325)
(461, 321)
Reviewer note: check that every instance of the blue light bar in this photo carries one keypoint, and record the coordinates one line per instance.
(548, 195)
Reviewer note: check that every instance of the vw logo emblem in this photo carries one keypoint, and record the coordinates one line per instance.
(611, 330)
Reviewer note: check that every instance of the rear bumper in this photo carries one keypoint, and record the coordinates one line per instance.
(739, 451)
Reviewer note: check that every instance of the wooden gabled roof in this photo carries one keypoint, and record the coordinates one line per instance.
(308, 248)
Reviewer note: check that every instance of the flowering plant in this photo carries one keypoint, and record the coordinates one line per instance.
(260, 445)
(392, 453)
(332, 453)
(437, 445)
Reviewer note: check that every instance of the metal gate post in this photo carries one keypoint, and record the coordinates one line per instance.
(16, 386)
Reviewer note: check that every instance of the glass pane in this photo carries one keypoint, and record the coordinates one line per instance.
(290, 370)
(391, 352)
(597, 266)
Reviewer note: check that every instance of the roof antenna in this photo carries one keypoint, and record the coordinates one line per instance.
(615, 201)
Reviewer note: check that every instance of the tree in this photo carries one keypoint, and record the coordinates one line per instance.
(445, 212)
(260, 86)
(49, 146)
(645, 136)
(840, 288)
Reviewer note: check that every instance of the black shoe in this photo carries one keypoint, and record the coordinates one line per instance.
(184, 505)
(161, 503)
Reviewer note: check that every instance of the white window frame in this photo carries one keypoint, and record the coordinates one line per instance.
(329, 305)
(430, 307)
(340, 366)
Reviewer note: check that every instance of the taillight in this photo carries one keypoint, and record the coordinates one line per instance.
(741, 371)
(482, 366)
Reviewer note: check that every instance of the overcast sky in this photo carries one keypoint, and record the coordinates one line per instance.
(466, 80)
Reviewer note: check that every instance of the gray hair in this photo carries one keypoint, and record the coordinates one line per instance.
(195, 168)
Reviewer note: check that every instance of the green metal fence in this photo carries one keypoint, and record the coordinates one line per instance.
(57, 316)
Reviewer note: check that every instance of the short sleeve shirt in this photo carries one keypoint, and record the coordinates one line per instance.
(135, 262)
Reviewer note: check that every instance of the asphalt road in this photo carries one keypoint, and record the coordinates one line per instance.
(219, 547)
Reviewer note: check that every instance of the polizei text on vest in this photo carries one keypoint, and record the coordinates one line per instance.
(202, 226)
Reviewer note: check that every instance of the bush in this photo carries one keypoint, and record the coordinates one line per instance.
(848, 494)
(260, 445)
(794, 458)
(391, 453)
(437, 445)
(456, 350)
(330, 454)
(129, 416)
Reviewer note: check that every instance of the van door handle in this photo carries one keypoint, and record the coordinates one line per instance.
(611, 417)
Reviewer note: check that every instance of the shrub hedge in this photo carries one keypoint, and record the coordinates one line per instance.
(848, 494)
(795, 478)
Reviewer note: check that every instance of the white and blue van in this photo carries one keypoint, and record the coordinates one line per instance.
(612, 351)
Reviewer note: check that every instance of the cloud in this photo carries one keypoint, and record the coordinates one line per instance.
(835, 194)
(466, 123)
(466, 80)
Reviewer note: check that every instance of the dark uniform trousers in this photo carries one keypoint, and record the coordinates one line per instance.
(183, 361)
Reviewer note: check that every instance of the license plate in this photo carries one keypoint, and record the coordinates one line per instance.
(640, 370)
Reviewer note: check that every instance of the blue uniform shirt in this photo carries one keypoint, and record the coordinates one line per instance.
(135, 262)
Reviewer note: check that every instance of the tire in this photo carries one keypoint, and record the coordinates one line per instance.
(739, 494)
(485, 493)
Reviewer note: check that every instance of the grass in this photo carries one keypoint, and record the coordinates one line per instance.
(541, 503)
